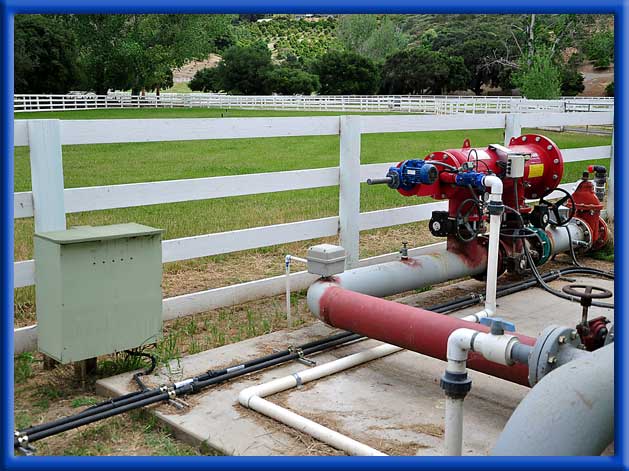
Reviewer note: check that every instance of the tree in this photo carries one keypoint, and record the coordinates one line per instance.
(45, 55)
(243, 69)
(540, 80)
(422, 71)
(609, 89)
(290, 81)
(600, 48)
(474, 53)
(205, 80)
(346, 73)
(571, 78)
(139, 51)
(370, 36)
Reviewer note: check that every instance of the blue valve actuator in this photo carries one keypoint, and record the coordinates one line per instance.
(497, 325)
(475, 179)
(413, 172)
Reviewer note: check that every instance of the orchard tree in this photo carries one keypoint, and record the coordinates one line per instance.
(45, 55)
(346, 73)
(371, 36)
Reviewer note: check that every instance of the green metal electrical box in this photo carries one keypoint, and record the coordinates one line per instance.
(98, 290)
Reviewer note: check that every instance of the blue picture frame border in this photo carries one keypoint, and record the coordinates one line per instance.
(9, 8)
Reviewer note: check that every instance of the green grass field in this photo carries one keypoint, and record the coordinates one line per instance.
(88, 165)
(43, 395)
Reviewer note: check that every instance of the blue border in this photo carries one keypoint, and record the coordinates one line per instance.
(8, 8)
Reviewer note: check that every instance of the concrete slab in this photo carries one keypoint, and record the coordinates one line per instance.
(393, 404)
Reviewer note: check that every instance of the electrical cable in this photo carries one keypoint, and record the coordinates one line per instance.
(148, 371)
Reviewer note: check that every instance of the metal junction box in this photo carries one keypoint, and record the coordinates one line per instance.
(98, 290)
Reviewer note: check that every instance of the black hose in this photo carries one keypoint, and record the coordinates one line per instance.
(140, 399)
(142, 395)
(551, 290)
(148, 371)
(186, 387)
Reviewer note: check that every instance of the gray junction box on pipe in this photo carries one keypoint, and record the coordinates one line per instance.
(326, 260)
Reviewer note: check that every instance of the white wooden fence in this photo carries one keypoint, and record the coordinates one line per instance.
(424, 104)
(49, 202)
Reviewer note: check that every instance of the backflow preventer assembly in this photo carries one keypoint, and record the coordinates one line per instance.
(491, 226)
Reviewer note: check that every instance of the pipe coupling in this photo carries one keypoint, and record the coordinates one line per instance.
(455, 385)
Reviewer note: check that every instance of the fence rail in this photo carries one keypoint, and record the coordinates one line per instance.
(49, 201)
(426, 104)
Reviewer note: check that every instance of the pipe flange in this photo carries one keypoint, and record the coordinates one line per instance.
(548, 347)
(587, 234)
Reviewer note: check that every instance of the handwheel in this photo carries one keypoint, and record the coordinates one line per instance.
(465, 229)
(553, 207)
(586, 293)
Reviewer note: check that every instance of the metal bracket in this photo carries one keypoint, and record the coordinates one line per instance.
(302, 359)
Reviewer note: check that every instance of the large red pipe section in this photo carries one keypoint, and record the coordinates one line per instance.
(415, 329)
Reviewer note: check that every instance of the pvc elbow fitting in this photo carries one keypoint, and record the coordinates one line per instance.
(493, 182)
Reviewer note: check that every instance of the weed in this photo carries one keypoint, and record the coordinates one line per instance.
(23, 366)
(83, 401)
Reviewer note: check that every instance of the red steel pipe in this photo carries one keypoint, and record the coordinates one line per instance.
(412, 328)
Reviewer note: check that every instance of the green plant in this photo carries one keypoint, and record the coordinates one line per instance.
(541, 79)
(609, 89)
(83, 401)
(23, 366)
(600, 48)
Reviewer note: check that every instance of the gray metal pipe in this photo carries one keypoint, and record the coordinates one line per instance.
(388, 279)
(559, 236)
(570, 412)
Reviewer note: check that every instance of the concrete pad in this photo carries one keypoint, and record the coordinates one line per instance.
(393, 404)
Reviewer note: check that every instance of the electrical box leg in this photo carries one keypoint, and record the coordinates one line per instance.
(84, 368)
(50, 363)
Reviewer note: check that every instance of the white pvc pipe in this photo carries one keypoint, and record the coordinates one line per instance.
(453, 433)
(495, 221)
(495, 348)
(253, 398)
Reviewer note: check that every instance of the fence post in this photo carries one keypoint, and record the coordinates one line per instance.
(513, 128)
(610, 186)
(44, 140)
(349, 190)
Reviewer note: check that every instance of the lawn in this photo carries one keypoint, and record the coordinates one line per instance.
(89, 165)
(42, 395)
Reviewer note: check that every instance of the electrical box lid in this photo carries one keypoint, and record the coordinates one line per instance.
(326, 253)
(79, 234)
